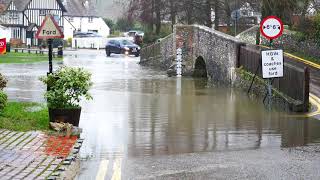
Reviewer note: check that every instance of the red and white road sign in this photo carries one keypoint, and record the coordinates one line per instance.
(271, 27)
(49, 29)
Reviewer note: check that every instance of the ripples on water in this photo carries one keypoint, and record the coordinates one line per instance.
(140, 112)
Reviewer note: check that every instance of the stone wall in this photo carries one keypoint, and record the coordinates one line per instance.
(159, 55)
(219, 50)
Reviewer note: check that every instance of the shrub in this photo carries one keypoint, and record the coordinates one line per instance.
(3, 82)
(299, 36)
(3, 100)
(317, 28)
(66, 87)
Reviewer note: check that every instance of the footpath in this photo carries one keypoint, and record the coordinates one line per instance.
(35, 155)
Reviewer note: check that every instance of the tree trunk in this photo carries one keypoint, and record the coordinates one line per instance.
(217, 15)
(172, 14)
(208, 12)
(158, 16)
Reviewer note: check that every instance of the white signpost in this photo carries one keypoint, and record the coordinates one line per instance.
(272, 64)
(272, 60)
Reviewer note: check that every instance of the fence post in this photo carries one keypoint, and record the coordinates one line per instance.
(306, 89)
(238, 49)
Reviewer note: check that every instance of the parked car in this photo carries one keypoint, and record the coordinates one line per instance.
(122, 47)
(85, 34)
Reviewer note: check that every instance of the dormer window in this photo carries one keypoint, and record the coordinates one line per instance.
(13, 15)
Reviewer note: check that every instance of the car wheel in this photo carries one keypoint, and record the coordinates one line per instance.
(108, 52)
(137, 55)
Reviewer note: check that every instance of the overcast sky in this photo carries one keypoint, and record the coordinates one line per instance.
(109, 8)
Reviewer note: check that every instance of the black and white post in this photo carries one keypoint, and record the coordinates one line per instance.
(179, 62)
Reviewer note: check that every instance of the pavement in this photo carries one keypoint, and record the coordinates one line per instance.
(32, 155)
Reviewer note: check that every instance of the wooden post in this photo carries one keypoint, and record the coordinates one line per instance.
(306, 89)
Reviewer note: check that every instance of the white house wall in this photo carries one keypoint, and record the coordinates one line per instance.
(5, 33)
(82, 24)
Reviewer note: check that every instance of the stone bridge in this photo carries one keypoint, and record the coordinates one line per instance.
(218, 56)
(206, 52)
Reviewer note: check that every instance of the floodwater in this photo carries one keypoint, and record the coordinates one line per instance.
(139, 112)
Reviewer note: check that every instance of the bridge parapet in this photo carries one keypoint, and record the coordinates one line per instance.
(219, 50)
(160, 54)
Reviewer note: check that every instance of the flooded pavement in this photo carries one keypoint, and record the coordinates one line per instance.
(143, 124)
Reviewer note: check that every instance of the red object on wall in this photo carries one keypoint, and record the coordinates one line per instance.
(3, 46)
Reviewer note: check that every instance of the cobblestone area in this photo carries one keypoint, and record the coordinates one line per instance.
(32, 155)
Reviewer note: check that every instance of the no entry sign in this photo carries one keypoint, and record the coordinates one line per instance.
(271, 27)
(272, 63)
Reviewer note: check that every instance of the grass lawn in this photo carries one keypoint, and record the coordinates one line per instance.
(19, 117)
(24, 58)
(306, 57)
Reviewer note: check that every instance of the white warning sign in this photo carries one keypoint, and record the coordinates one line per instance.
(272, 64)
(49, 29)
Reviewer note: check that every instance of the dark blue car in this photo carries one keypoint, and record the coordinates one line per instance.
(122, 47)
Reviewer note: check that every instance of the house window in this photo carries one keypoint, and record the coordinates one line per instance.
(15, 33)
(71, 19)
(90, 19)
(44, 12)
(13, 15)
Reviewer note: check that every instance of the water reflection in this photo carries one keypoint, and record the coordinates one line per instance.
(140, 112)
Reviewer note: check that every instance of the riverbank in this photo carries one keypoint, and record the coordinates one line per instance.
(246, 80)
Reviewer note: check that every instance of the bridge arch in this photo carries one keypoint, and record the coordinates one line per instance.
(200, 68)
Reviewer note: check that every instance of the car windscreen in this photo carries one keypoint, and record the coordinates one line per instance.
(126, 42)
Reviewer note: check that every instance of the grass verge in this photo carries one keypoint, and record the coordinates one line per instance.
(306, 57)
(24, 117)
(24, 58)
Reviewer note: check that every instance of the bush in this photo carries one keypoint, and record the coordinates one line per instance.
(317, 28)
(299, 36)
(3, 100)
(66, 87)
(3, 82)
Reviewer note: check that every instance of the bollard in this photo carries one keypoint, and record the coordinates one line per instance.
(8, 47)
(60, 51)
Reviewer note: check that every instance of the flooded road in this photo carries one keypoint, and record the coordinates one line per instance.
(141, 120)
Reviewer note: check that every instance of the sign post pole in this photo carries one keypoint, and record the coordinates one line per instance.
(272, 61)
(50, 55)
(270, 85)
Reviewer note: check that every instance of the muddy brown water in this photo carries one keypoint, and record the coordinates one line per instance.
(139, 112)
